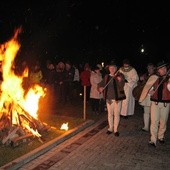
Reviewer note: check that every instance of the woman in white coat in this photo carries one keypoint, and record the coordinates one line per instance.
(95, 95)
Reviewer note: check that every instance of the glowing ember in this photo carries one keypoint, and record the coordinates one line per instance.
(14, 103)
(64, 126)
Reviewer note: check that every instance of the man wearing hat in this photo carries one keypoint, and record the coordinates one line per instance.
(159, 89)
(131, 76)
(112, 85)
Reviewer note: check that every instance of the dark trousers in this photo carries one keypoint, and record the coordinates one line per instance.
(60, 93)
(87, 92)
(95, 104)
(68, 91)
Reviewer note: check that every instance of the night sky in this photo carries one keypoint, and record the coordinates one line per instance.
(91, 31)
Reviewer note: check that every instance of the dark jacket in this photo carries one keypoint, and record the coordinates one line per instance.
(161, 94)
(115, 89)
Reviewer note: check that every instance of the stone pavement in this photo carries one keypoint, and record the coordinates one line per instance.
(93, 149)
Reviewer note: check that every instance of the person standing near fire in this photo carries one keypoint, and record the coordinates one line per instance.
(95, 96)
(113, 88)
(59, 82)
(68, 81)
(85, 81)
(158, 87)
(131, 79)
(36, 75)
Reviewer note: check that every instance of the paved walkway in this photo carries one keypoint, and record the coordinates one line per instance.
(93, 149)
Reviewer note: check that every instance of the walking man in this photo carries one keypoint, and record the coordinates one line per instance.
(113, 87)
(159, 89)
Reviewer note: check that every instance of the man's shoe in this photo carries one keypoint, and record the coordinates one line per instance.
(124, 117)
(161, 141)
(108, 132)
(116, 134)
(152, 144)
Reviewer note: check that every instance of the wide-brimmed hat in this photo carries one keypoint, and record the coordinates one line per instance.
(161, 64)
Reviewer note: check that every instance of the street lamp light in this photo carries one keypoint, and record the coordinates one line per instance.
(142, 50)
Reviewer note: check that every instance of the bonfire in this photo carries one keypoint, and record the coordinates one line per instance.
(19, 120)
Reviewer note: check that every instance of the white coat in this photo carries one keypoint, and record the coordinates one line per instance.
(128, 104)
(95, 78)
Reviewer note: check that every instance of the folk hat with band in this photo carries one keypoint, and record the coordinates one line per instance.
(161, 64)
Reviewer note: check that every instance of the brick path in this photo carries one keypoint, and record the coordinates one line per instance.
(94, 149)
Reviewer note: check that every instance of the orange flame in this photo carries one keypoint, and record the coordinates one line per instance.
(32, 99)
(12, 98)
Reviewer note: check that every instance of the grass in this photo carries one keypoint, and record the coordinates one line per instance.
(9, 153)
(54, 116)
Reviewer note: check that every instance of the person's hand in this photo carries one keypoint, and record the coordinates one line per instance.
(142, 78)
(151, 92)
(101, 89)
(118, 78)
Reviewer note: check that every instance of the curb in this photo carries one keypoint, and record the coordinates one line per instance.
(17, 163)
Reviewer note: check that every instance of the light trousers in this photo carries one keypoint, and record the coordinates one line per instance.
(159, 118)
(146, 117)
(113, 108)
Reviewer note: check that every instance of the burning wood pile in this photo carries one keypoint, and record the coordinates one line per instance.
(18, 109)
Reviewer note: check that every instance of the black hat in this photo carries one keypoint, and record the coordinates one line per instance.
(112, 63)
(161, 64)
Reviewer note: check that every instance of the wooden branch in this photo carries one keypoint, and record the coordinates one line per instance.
(21, 139)
(9, 136)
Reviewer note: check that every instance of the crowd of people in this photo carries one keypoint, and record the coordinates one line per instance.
(112, 88)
